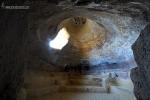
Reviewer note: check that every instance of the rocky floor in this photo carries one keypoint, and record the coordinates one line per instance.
(42, 85)
(85, 96)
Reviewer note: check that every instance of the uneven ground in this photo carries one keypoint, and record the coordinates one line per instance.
(41, 85)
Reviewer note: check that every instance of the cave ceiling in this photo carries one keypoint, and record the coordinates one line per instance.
(97, 35)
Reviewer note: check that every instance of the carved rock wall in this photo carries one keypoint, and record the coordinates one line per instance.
(141, 74)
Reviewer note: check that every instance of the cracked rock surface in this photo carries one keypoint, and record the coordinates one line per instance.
(141, 74)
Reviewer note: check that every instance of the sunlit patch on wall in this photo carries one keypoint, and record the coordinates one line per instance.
(60, 40)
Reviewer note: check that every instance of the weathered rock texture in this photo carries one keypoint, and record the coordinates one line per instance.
(123, 29)
(17, 44)
(12, 48)
(141, 74)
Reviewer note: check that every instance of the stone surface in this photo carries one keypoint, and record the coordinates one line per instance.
(38, 83)
(141, 74)
(21, 49)
(123, 28)
(12, 47)
(85, 96)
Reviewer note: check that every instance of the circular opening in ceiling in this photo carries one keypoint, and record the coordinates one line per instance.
(81, 32)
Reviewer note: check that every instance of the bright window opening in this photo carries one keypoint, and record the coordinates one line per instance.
(60, 40)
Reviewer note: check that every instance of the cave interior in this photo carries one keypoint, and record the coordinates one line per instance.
(75, 50)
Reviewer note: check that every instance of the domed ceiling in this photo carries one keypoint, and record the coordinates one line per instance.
(85, 34)
(91, 37)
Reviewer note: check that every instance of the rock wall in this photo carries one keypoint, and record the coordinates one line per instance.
(15, 40)
(140, 75)
(12, 49)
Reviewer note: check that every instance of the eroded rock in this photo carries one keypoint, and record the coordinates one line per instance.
(140, 75)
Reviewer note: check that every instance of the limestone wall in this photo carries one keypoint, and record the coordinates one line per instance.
(141, 74)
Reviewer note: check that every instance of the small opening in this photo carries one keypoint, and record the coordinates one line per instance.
(60, 40)
(80, 32)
